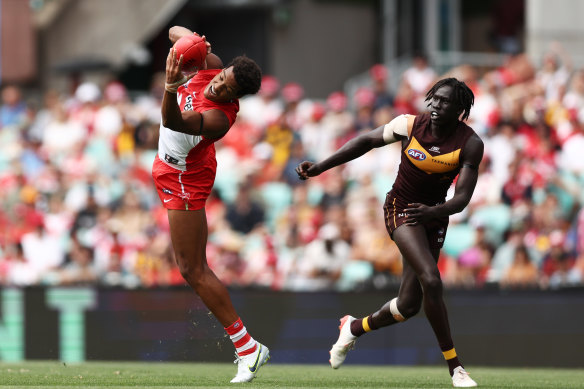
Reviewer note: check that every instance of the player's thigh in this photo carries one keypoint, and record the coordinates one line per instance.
(188, 232)
(412, 242)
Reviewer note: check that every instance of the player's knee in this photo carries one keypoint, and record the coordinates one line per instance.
(409, 308)
(190, 271)
(431, 284)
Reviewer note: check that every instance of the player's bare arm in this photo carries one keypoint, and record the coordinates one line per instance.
(472, 155)
(354, 148)
(211, 124)
(177, 32)
(396, 130)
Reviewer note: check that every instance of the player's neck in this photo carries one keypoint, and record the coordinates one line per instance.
(443, 130)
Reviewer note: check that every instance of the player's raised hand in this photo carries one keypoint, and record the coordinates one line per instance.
(174, 75)
(307, 169)
(173, 67)
(207, 43)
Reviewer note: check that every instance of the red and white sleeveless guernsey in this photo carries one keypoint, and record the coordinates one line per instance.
(184, 169)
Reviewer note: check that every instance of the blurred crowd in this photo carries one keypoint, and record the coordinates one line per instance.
(78, 205)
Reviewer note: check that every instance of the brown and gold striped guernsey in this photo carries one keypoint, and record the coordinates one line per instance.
(429, 165)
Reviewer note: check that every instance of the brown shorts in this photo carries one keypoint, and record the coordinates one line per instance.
(395, 216)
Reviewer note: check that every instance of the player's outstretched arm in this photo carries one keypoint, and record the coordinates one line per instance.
(353, 149)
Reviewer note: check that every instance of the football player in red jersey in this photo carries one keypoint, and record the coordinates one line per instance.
(197, 110)
(436, 147)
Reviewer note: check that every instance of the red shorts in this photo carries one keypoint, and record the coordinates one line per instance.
(395, 216)
(183, 190)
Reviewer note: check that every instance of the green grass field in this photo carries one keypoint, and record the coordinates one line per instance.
(201, 375)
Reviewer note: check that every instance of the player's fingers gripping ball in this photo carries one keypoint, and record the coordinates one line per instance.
(193, 48)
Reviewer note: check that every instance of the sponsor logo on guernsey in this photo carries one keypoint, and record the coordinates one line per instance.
(435, 149)
(167, 191)
(416, 154)
(170, 159)
(188, 103)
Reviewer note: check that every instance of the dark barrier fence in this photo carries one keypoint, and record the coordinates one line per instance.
(490, 327)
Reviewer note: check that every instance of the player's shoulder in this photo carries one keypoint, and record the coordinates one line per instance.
(474, 146)
(410, 120)
(214, 62)
(472, 134)
(476, 139)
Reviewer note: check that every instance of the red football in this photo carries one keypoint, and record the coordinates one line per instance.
(194, 51)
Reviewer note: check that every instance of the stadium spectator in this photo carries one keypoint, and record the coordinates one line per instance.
(78, 269)
(15, 269)
(313, 135)
(13, 112)
(265, 107)
(41, 250)
(419, 76)
(279, 136)
(244, 214)
(320, 266)
(364, 101)
(379, 75)
(522, 273)
(555, 73)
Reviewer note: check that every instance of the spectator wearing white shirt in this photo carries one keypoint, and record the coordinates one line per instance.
(420, 75)
(322, 263)
(555, 72)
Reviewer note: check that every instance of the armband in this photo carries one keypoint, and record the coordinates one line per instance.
(398, 125)
(201, 126)
(470, 166)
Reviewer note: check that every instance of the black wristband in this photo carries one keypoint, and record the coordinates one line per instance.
(201, 125)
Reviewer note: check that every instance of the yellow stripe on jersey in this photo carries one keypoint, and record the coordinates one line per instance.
(424, 161)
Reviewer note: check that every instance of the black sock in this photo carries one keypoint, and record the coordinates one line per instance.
(357, 327)
(451, 359)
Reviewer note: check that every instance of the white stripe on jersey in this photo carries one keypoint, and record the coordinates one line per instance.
(176, 144)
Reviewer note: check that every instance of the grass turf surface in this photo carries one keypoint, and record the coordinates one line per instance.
(55, 375)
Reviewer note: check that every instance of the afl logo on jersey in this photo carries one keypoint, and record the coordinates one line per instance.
(416, 154)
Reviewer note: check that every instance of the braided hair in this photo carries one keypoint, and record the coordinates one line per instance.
(462, 94)
(248, 75)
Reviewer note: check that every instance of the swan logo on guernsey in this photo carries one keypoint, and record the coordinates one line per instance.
(416, 154)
